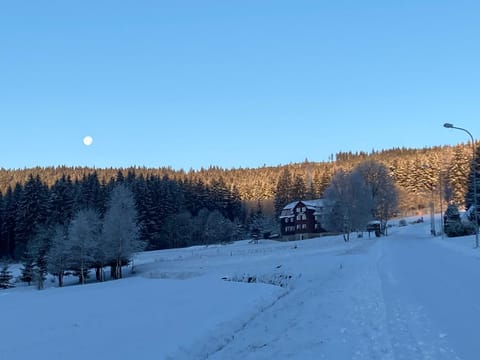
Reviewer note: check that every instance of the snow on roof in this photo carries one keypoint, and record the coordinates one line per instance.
(291, 205)
(310, 204)
(314, 203)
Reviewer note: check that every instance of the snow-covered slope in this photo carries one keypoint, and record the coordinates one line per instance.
(405, 296)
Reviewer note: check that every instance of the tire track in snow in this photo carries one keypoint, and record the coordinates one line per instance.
(336, 314)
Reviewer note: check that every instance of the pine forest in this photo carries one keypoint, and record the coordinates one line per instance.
(177, 208)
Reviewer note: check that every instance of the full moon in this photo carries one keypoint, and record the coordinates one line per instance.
(87, 140)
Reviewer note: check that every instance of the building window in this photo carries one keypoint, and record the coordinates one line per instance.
(304, 216)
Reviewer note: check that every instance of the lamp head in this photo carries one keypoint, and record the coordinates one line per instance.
(448, 125)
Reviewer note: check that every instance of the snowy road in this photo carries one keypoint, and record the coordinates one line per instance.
(400, 297)
(334, 312)
(432, 299)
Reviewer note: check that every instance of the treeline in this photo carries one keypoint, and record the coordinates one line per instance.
(417, 172)
(178, 208)
(162, 204)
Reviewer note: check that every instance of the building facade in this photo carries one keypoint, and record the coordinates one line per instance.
(303, 217)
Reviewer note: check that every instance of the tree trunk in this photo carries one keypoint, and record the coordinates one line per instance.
(119, 268)
(113, 271)
(99, 273)
(82, 275)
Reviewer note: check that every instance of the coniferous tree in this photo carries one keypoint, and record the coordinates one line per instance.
(255, 221)
(38, 250)
(31, 212)
(219, 195)
(453, 225)
(474, 180)
(61, 201)
(458, 174)
(11, 202)
(299, 189)
(238, 230)
(89, 194)
(323, 183)
(178, 230)
(5, 278)
(27, 271)
(234, 206)
(283, 193)
(3, 242)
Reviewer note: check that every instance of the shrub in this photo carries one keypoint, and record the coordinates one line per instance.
(453, 225)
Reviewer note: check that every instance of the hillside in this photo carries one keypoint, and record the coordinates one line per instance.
(420, 174)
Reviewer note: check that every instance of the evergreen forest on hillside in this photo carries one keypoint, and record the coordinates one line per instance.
(179, 208)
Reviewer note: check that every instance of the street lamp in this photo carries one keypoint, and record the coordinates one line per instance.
(450, 126)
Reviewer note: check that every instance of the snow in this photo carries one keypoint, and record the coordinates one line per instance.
(405, 296)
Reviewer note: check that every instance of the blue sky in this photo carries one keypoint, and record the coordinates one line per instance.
(244, 83)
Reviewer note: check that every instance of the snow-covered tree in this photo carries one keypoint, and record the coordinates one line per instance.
(458, 176)
(261, 224)
(120, 230)
(58, 256)
(39, 248)
(83, 234)
(474, 186)
(351, 203)
(299, 188)
(218, 229)
(383, 191)
(27, 272)
(5, 278)
(453, 225)
(283, 193)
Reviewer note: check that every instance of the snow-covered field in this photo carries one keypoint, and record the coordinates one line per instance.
(405, 296)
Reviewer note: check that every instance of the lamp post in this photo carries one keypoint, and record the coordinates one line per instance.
(450, 126)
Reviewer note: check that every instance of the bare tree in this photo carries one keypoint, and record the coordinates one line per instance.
(120, 229)
(351, 203)
(382, 188)
(83, 234)
(58, 254)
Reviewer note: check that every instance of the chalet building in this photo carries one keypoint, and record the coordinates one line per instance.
(303, 217)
